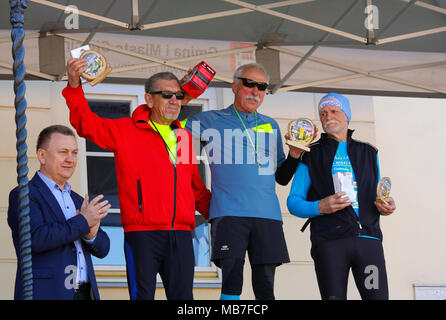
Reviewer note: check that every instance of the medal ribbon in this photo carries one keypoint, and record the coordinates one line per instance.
(254, 146)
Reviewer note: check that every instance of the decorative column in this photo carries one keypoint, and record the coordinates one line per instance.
(17, 19)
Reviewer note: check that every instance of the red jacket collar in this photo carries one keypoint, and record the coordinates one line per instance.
(141, 117)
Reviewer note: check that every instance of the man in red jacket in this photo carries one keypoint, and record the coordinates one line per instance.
(158, 181)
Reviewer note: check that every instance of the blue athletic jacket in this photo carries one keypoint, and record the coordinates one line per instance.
(240, 186)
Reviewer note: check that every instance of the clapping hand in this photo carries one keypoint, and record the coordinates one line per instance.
(94, 211)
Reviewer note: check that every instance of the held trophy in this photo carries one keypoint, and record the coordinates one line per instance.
(97, 66)
(301, 132)
(198, 79)
(383, 189)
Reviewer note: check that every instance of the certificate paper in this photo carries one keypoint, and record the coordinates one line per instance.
(343, 182)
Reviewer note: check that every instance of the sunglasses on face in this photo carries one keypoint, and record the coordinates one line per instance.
(251, 84)
(166, 94)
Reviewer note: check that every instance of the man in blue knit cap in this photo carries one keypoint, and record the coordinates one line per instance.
(345, 231)
(337, 100)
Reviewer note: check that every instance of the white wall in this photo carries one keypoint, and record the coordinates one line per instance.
(46, 106)
(410, 133)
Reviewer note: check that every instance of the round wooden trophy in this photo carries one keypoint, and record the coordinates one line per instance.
(301, 132)
(97, 67)
(383, 189)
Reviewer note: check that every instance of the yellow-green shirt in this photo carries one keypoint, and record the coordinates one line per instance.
(169, 138)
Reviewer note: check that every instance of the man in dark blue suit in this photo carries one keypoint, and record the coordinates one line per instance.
(65, 228)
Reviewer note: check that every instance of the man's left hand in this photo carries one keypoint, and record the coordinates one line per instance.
(386, 209)
(93, 231)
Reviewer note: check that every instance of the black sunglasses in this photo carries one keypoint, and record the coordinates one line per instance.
(166, 94)
(251, 84)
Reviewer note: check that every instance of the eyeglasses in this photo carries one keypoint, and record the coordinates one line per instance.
(251, 84)
(166, 94)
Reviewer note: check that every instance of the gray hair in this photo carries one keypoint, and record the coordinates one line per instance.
(151, 82)
(238, 73)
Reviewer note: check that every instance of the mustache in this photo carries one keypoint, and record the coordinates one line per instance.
(331, 122)
(251, 97)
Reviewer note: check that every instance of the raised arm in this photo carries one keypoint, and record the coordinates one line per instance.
(102, 131)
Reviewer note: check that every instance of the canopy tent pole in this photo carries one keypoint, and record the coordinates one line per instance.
(370, 30)
(136, 20)
(297, 20)
(135, 15)
(99, 23)
(412, 35)
(360, 75)
(84, 13)
(372, 74)
(30, 71)
(17, 19)
(394, 19)
(428, 6)
(219, 14)
(313, 49)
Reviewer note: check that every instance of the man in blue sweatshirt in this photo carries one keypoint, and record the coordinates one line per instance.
(246, 159)
(345, 231)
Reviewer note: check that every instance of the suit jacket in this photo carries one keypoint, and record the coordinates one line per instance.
(54, 258)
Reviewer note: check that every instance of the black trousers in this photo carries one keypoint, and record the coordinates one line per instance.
(169, 253)
(333, 260)
(262, 239)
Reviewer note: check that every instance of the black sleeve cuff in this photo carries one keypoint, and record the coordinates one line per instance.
(285, 172)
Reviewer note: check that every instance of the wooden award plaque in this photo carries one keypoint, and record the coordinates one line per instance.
(97, 67)
(383, 189)
(301, 132)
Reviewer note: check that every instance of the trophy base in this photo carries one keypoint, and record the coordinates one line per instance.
(297, 145)
(101, 77)
(382, 200)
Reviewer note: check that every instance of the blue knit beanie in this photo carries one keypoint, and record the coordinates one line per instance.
(336, 99)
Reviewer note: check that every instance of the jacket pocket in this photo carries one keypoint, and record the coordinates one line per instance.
(138, 186)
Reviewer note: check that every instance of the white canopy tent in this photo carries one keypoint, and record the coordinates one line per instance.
(374, 47)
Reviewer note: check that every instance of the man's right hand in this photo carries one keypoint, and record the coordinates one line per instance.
(94, 211)
(333, 203)
(75, 67)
